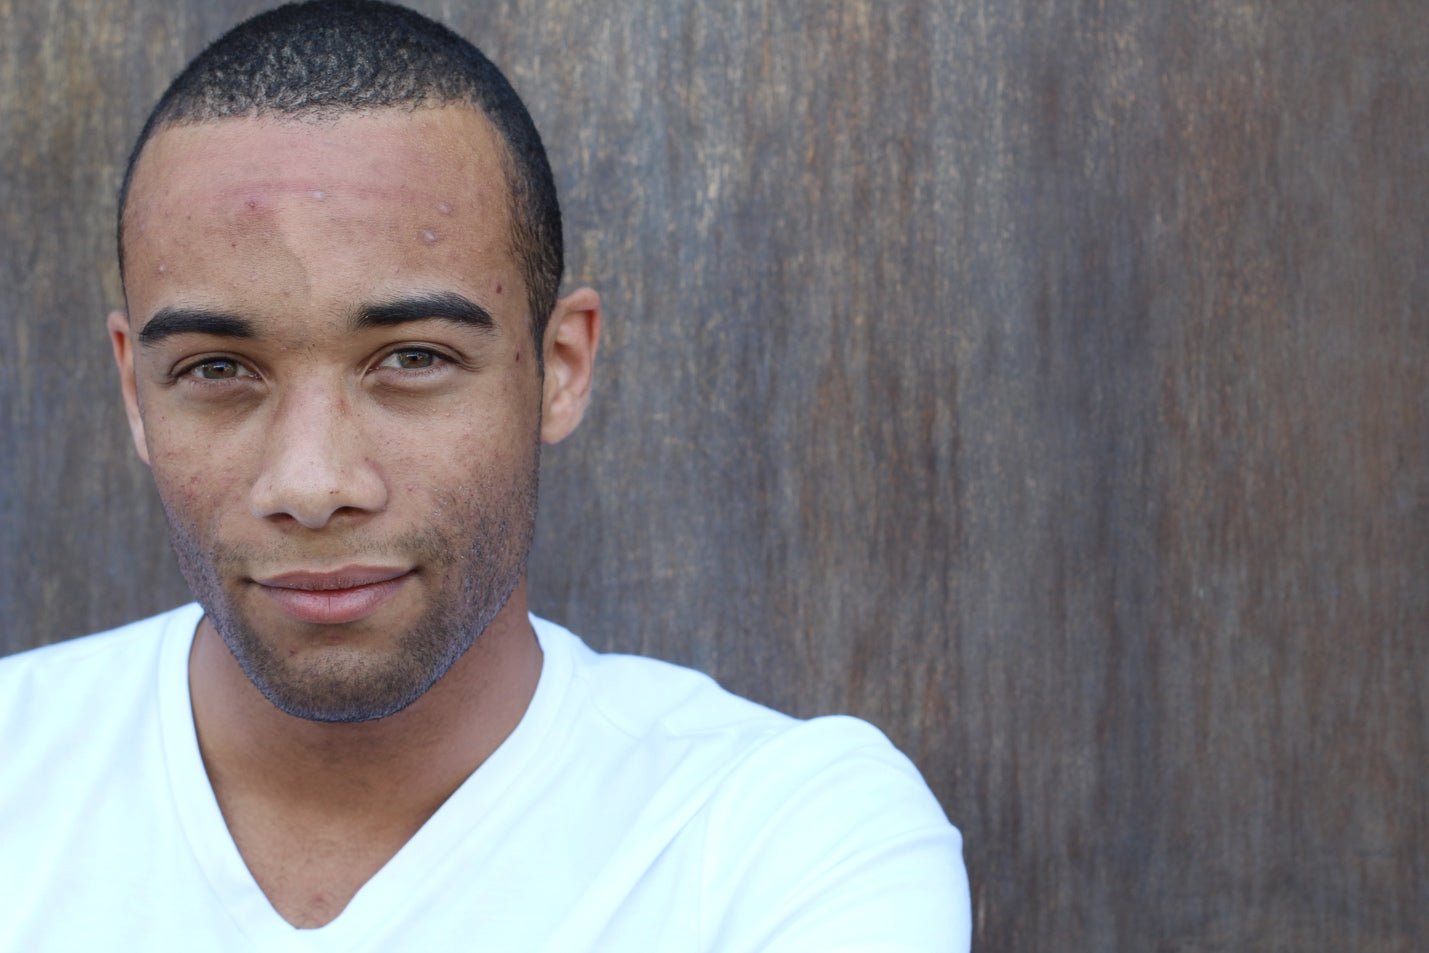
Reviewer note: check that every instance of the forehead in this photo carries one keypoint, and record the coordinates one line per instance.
(375, 196)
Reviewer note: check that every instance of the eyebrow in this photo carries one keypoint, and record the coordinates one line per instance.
(445, 306)
(167, 322)
(442, 305)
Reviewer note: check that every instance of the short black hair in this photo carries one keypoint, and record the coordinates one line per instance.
(327, 58)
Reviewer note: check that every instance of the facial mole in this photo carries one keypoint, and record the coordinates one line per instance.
(498, 287)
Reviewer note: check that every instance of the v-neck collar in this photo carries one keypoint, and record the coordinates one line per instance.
(400, 882)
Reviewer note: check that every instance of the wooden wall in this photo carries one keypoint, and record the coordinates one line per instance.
(1045, 380)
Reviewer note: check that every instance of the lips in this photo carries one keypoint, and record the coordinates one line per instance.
(336, 596)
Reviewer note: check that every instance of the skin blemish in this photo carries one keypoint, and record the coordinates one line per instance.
(498, 289)
(319, 194)
(444, 208)
(163, 268)
(518, 356)
(429, 236)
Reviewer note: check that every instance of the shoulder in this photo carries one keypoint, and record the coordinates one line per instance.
(83, 716)
(642, 697)
(81, 666)
(822, 825)
(638, 695)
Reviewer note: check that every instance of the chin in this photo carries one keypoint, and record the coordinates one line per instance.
(343, 685)
(362, 678)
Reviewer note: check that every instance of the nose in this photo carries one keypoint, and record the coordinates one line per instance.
(316, 460)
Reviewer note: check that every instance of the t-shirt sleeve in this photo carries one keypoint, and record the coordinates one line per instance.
(827, 839)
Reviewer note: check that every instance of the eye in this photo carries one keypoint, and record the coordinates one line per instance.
(217, 369)
(412, 359)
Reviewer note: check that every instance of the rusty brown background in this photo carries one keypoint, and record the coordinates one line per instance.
(1047, 382)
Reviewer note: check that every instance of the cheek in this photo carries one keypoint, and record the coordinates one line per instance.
(469, 466)
(490, 433)
(192, 481)
(186, 494)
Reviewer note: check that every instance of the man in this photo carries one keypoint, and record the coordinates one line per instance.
(341, 349)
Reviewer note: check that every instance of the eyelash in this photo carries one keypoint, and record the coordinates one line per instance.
(241, 372)
(191, 370)
(437, 358)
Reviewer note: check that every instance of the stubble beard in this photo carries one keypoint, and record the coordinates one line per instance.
(344, 684)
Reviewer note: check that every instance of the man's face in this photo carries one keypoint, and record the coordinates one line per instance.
(335, 386)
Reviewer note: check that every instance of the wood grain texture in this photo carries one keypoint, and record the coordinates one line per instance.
(1047, 382)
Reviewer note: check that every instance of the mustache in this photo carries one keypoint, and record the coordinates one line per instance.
(318, 552)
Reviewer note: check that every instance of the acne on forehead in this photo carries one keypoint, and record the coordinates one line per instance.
(432, 234)
(268, 190)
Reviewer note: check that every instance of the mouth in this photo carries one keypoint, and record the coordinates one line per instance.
(334, 597)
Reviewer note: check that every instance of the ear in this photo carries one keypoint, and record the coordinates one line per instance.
(572, 336)
(122, 338)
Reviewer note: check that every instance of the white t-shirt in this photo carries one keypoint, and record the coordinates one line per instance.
(637, 807)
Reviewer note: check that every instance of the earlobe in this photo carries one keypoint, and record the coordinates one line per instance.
(572, 337)
(122, 339)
